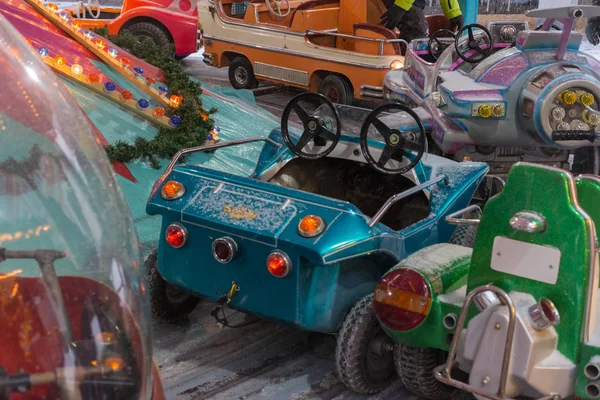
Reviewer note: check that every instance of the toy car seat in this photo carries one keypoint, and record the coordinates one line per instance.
(533, 277)
(437, 22)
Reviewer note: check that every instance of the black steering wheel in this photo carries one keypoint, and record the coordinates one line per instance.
(473, 44)
(322, 130)
(435, 47)
(396, 140)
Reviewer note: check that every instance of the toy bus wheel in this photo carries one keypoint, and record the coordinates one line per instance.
(241, 75)
(167, 302)
(337, 90)
(150, 31)
(363, 358)
(415, 366)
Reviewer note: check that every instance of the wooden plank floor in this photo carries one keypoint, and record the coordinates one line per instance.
(198, 360)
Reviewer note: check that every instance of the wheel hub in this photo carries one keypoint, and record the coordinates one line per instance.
(313, 126)
(394, 138)
(241, 76)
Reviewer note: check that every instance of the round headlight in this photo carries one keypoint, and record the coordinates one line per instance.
(558, 113)
(508, 33)
(397, 64)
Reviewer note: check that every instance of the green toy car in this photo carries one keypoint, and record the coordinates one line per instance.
(514, 317)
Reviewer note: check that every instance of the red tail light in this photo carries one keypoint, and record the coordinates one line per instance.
(279, 264)
(402, 299)
(176, 235)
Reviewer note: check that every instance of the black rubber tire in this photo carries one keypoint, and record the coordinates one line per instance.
(415, 367)
(160, 305)
(151, 31)
(353, 344)
(241, 65)
(341, 86)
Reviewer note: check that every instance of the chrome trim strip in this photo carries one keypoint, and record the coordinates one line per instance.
(295, 53)
(286, 74)
(453, 219)
(343, 35)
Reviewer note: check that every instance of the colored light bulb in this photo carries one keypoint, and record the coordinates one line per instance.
(76, 69)
(587, 99)
(64, 16)
(59, 60)
(53, 7)
(568, 97)
(175, 121)
(100, 43)
(42, 51)
(485, 111)
(113, 52)
(126, 95)
(93, 78)
(76, 26)
(142, 104)
(159, 112)
(125, 62)
(88, 34)
(150, 80)
(163, 90)
(109, 87)
(175, 101)
(138, 71)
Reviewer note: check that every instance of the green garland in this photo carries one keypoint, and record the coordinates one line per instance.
(193, 129)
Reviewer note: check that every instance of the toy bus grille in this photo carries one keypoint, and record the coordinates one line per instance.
(281, 73)
(239, 8)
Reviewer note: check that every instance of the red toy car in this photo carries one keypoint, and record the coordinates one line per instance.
(164, 21)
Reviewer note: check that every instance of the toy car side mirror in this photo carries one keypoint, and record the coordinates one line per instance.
(456, 217)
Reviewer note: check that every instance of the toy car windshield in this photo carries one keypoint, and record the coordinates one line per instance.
(71, 301)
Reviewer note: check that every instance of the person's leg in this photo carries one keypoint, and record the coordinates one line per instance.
(414, 25)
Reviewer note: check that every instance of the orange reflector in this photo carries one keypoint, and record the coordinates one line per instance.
(114, 363)
(106, 337)
(402, 299)
(311, 226)
(172, 190)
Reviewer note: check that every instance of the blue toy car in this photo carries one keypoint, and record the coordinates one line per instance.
(304, 240)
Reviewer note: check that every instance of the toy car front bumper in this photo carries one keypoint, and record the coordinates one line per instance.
(209, 58)
(371, 92)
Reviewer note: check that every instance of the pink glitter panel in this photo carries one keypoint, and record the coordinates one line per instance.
(506, 71)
